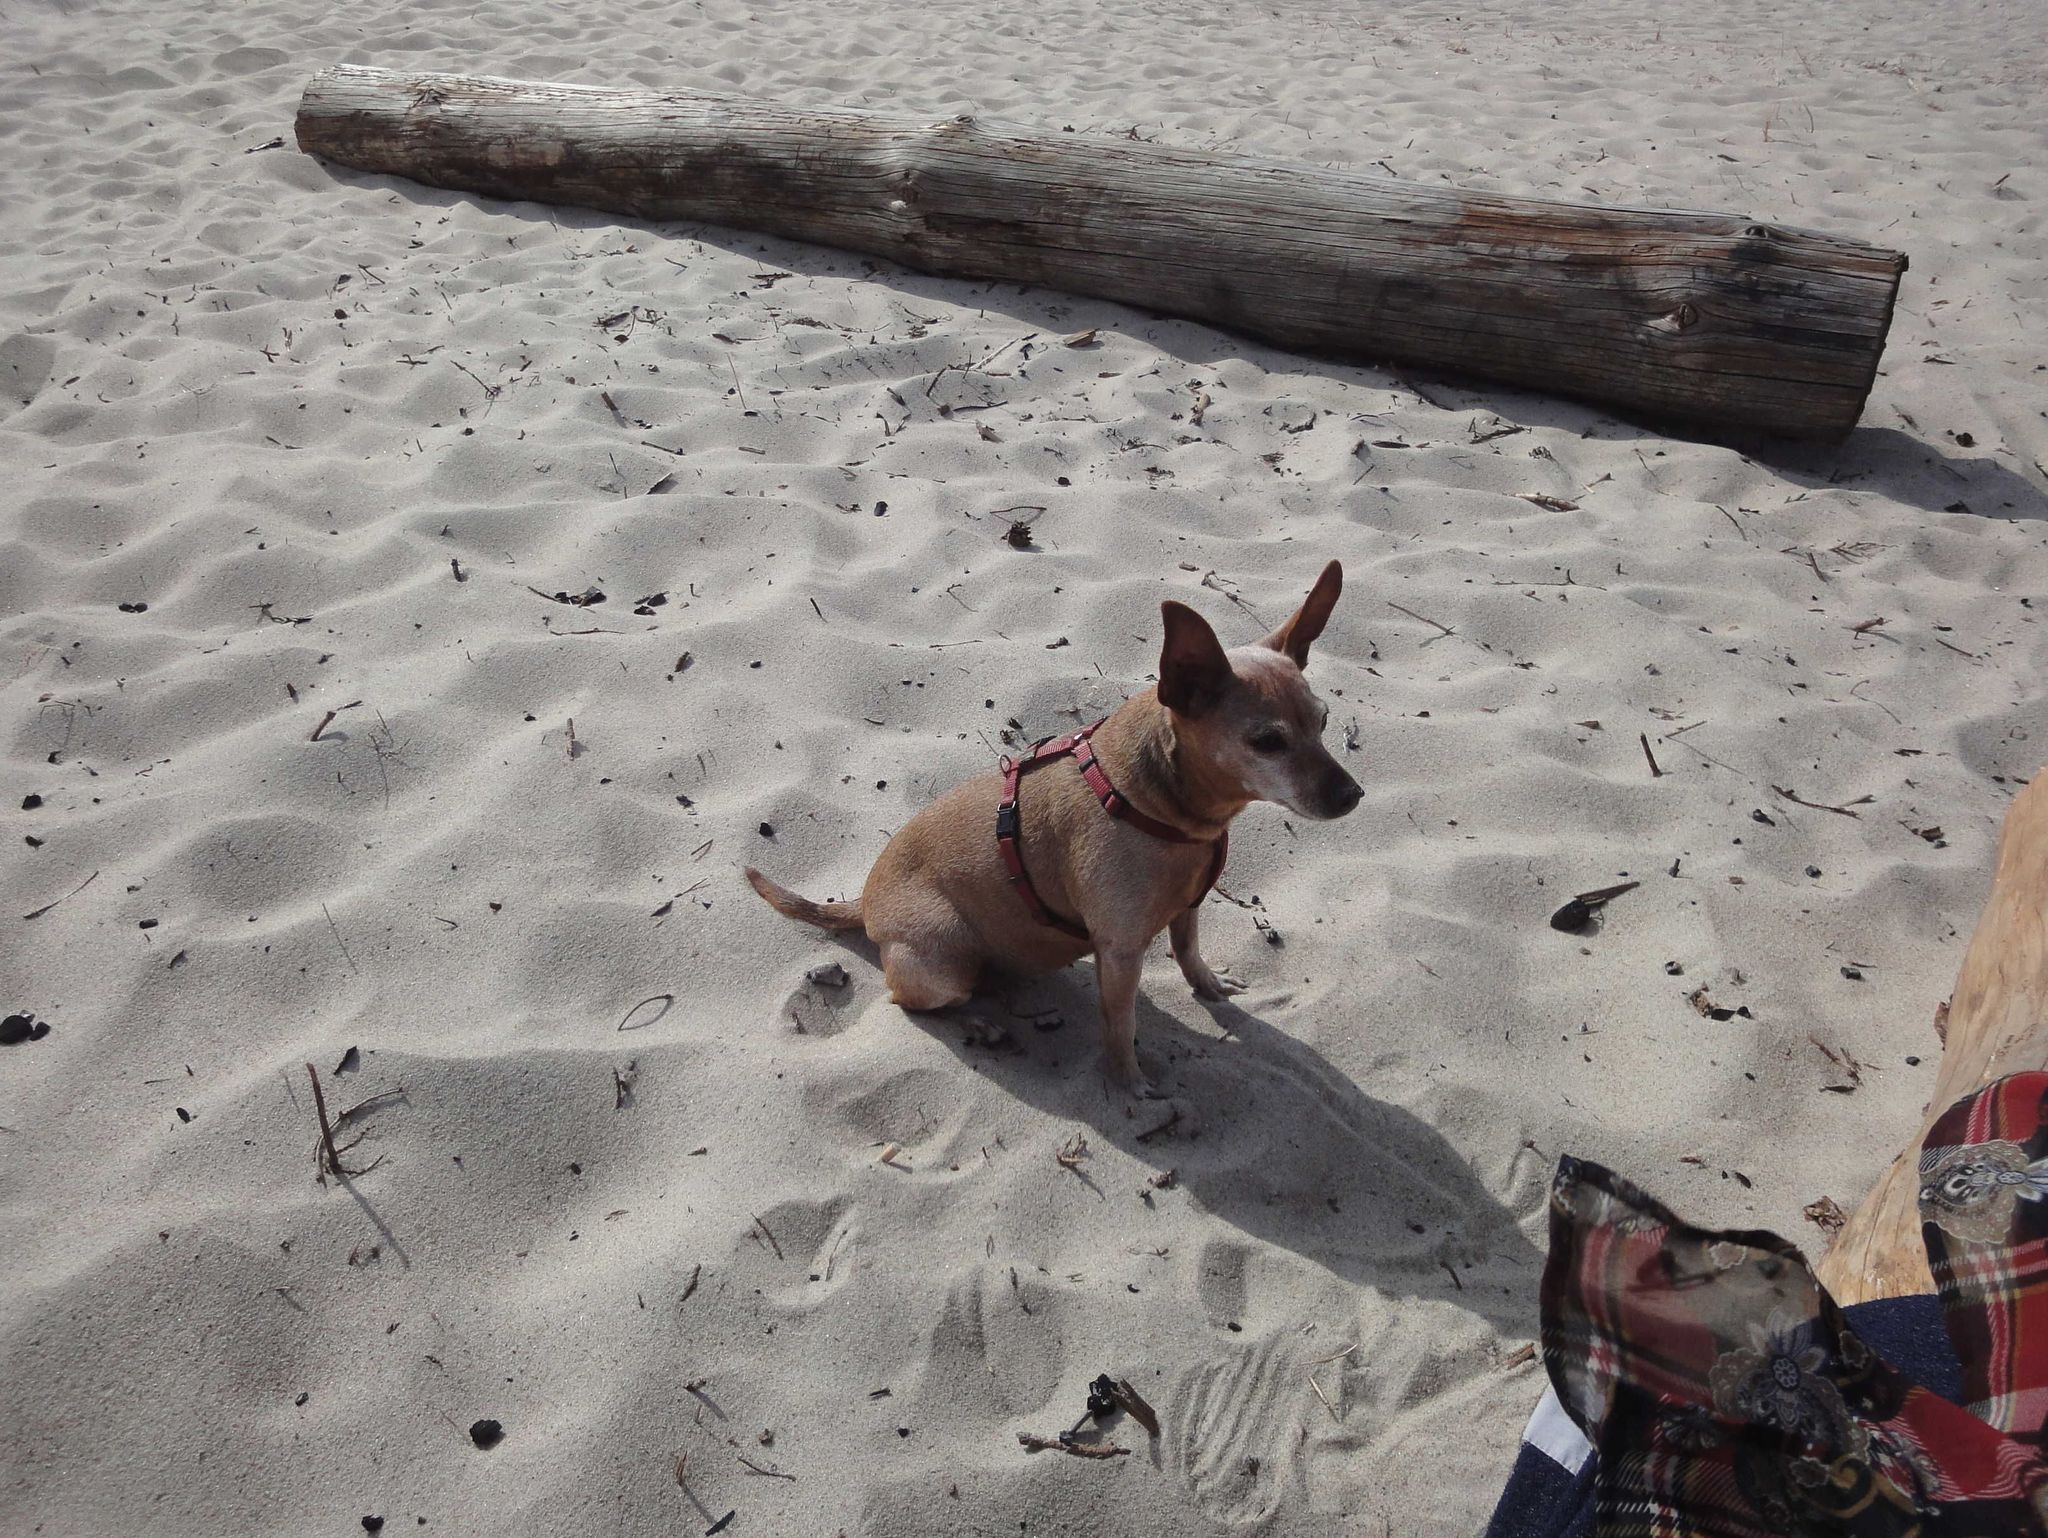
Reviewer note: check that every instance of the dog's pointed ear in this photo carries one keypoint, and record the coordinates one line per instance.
(1193, 671)
(1306, 623)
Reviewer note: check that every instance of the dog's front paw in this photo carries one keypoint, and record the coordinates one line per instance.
(1213, 986)
(1127, 1081)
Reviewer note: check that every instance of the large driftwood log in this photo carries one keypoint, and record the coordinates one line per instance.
(1997, 1024)
(1705, 317)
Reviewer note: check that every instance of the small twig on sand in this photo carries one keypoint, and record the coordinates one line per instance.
(1839, 811)
(696, 1272)
(1172, 1120)
(364, 1104)
(1324, 1397)
(1038, 1444)
(1644, 739)
(769, 1236)
(652, 998)
(329, 717)
(755, 1468)
(742, 394)
(1446, 629)
(333, 1162)
(490, 390)
(46, 907)
(1133, 1404)
(345, 956)
(1070, 1154)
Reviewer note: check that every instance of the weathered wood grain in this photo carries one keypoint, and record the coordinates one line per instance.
(1997, 1025)
(1698, 316)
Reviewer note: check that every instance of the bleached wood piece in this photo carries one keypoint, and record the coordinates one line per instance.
(1997, 1024)
(1706, 317)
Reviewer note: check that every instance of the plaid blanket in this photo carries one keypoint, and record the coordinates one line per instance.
(1725, 1396)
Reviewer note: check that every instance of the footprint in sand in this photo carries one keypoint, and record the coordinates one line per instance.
(792, 1230)
(26, 363)
(1233, 1438)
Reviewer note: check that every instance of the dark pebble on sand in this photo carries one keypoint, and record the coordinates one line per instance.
(30, 803)
(487, 1434)
(1813, 872)
(16, 1029)
(767, 830)
(373, 1524)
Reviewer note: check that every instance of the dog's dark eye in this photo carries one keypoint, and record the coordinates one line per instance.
(1268, 741)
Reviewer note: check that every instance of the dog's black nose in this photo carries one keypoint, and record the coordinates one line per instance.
(1345, 796)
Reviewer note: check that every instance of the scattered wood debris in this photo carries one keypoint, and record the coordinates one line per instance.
(1065, 1444)
(327, 720)
(1575, 915)
(1826, 1216)
(1699, 1000)
(1821, 806)
(327, 1160)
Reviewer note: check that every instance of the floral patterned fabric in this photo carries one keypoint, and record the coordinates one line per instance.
(1726, 1397)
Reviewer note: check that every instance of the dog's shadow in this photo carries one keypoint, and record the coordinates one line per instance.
(1262, 1131)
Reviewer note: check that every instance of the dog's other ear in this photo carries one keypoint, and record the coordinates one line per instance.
(1193, 671)
(1306, 623)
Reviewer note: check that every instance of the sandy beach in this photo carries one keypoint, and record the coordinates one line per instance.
(418, 608)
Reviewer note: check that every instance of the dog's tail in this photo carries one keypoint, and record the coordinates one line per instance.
(786, 902)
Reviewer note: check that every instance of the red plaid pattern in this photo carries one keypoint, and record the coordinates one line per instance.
(1984, 1213)
(1727, 1398)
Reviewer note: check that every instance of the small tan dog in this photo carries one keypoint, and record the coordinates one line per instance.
(1025, 872)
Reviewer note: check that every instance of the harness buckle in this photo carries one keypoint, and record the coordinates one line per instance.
(1007, 824)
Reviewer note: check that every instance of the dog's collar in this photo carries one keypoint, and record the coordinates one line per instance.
(1009, 831)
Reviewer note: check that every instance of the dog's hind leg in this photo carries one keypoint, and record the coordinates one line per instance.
(924, 978)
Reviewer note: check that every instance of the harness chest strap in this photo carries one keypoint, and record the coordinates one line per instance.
(1009, 831)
